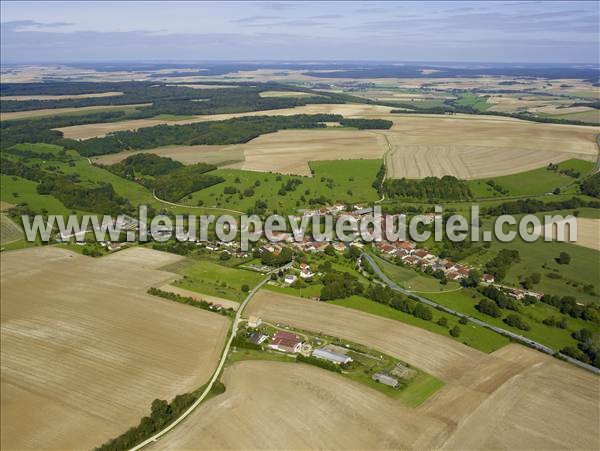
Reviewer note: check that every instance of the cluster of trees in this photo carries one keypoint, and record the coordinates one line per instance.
(534, 206)
(325, 364)
(339, 285)
(270, 259)
(591, 185)
(289, 186)
(69, 190)
(430, 188)
(175, 247)
(498, 265)
(489, 308)
(204, 305)
(387, 296)
(367, 124)
(568, 305)
(587, 348)
(501, 299)
(552, 321)
(185, 180)
(516, 321)
(231, 131)
(144, 164)
(496, 187)
(162, 413)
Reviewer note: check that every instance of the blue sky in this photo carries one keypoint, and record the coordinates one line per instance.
(503, 31)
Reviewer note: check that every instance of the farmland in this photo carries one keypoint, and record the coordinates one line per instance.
(76, 358)
(471, 147)
(64, 111)
(206, 277)
(552, 390)
(9, 231)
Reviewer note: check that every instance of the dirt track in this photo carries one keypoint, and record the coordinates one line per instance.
(85, 350)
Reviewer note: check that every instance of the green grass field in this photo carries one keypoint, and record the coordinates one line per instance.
(350, 182)
(582, 270)
(474, 101)
(471, 335)
(534, 314)
(17, 190)
(535, 182)
(206, 277)
(414, 280)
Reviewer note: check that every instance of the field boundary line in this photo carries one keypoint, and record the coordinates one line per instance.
(219, 368)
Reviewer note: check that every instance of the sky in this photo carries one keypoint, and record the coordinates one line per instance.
(503, 31)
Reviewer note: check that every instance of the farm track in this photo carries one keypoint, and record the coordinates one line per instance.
(217, 373)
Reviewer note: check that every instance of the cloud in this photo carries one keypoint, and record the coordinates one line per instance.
(254, 19)
(327, 16)
(31, 25)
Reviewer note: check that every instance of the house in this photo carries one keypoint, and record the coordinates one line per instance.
(453, 275)
(334, 357)
(257, 338)
(339, 246)
(305, 271)
(488, 278)
(385, 379)
(420, 253)
(410, 260)
(406, 245)
(286, 342)
(290, 279)
(254, 321)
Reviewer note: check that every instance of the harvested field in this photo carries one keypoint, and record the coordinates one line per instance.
(588, 232)
(5, 205)
(63, 97)
(289, 151)
(217, 155)
(271, 94)
(226, 303)
(554, 407)
(311, 408)
(59, 111)
(9, 231)
(476, 147)
(430, 352)
(85, 350)
(87, 131)
(204, 86)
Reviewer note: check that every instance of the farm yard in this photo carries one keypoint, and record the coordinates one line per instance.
(81, 354)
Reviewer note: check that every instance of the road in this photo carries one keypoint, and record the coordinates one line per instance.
(217, 372)
(527, 341)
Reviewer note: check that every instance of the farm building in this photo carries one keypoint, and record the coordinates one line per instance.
(286, 342)
(254, 321)
(385, 379)
(258, 338)
(290, 279)
(331, 356)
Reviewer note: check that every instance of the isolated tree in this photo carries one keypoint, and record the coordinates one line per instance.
(455, 331)
(563, 258)
(245, 288)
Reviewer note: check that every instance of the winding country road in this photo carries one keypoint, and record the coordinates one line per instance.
(507, 333)
(222, 361)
